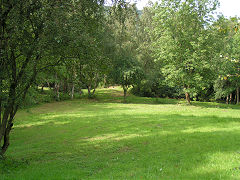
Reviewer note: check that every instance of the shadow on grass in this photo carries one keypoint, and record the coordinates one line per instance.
(137, 146)
(116, 96)
(215, 105)
(9, 165)
(183, 146)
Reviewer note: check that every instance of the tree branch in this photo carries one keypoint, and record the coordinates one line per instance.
(49, 65)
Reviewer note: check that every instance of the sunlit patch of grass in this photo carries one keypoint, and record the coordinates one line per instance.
(32, 124)
(113, 137)
(144, 138)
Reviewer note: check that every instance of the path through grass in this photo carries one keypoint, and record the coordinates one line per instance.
(106, 139)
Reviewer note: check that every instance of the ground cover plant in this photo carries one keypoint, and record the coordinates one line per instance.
(145, 138)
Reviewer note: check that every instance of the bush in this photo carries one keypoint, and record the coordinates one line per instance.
(35, 96)
(32, 98)
(150, 88)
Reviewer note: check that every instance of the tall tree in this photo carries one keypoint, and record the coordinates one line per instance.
(228, 81)
(85, 48)
(123, 21)
(184, 43)
(26, 39)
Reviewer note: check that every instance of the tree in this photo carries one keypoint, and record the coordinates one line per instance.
(184, 43)
(126, 72)
(85, 48)
(228, 81)
(123, 21)
(27, 45)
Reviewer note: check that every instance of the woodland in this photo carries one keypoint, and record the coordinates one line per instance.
(56, 50)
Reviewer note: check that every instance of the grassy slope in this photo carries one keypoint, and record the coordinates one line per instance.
(143, 139)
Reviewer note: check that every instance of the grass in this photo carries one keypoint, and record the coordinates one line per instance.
(145, 138)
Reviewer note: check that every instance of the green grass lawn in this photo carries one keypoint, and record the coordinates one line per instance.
(145, 138)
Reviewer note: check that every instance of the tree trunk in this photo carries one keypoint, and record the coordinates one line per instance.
(124, 94)
(6, 138)
(7, 119)
(0, 107)
(48, 85)
(89, 92)
(9, 113)
(93, 91)
(187, 97)
(227, 99)
(72, 93)
(237, 95)
(230, 98)
(57, 87)
(65, 86)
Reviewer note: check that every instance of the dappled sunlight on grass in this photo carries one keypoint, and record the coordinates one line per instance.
(40, 123)
(112, 137)
(67, 115)
(142, 139)
(62, 122)
(212, 129)
(214, 165)
(32, 124)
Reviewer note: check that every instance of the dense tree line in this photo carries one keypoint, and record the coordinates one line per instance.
(196, 55)
(171, 49)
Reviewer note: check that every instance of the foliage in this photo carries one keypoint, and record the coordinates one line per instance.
(183, 42)
(228, 81)
(25, 35)
(153, 85)
(123, 22)
(34, 35)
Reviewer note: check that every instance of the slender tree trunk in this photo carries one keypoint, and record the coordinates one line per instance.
(105, 82)
(58, 94)
(124, 94)
(95, 86)
(72, 93)
(6, 139)
(227, 99)
(7, 118)
(187, 97)
(237, 95)
(9, 110)
(0, 104)
(48, 85)
(89, 91)
(65, 86)
(57, 87)
(230, 98)
(93, 91)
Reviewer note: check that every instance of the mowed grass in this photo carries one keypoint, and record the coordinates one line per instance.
(145, 138)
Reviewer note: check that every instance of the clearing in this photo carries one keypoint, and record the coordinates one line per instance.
(145, 138)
